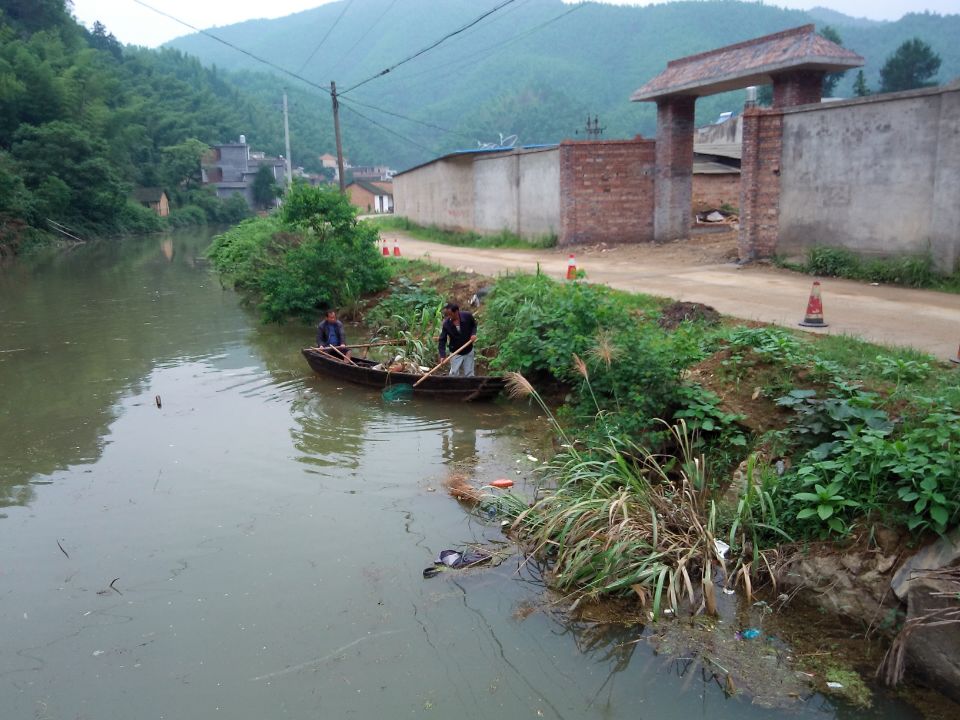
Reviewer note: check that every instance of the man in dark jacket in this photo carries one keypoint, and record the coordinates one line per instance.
(330, 335)
(459, 328)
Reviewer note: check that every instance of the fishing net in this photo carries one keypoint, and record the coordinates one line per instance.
(395, 393)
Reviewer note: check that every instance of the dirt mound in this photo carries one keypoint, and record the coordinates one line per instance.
(676, 313)
(742, 393)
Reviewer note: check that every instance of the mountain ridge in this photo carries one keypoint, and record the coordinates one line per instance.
(535, 68)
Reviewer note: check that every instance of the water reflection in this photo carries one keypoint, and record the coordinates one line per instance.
(80, 329)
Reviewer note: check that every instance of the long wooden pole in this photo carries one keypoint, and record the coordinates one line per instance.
(443, 362)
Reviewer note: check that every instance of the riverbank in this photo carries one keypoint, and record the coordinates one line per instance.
(696, 456)
(754, 480)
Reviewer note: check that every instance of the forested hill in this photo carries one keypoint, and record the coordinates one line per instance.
(535, 68)
(84, 120)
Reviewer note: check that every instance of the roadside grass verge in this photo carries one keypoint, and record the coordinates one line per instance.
(914, 271)
(503, 239)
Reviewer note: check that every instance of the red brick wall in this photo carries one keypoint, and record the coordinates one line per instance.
(606, 191)
(361, 198)
(712, 191)
(800, 87)
(760, 183)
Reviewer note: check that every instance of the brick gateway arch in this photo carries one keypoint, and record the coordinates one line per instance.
(795, 63)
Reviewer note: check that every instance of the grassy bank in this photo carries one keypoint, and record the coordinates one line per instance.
(915, 271)
(675, 434)
(502, 239)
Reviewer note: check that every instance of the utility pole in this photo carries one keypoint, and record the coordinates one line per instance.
(336, 130)
(286, 134)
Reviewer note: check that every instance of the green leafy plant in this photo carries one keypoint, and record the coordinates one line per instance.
(902, 371)
(825, 502)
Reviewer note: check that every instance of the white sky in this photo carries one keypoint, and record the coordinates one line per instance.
(136, 25)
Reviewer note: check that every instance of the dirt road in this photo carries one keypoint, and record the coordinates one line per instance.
(700, 271)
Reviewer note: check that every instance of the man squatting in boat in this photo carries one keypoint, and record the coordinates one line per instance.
(330, 335)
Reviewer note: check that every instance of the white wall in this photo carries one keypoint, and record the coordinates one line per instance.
(879, 176)
(517, 191)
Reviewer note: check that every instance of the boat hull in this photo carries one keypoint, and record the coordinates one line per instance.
(465, 389)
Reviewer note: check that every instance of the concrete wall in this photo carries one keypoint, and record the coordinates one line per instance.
(440, 193)
(517, 191)
(879, 175)
(539, 194)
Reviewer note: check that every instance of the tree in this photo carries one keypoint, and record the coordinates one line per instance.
(912, 65)
(180, 167)
(860, 88)
(265, 188)
(106, 41)
(830, 80)
(67, 168)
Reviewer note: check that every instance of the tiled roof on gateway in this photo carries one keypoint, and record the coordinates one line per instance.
(748, 63)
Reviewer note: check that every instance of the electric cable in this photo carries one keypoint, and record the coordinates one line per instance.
(430, 47)
(385, 128)
(496, 46)
(234, 47)
(366, 32)
(324, 38)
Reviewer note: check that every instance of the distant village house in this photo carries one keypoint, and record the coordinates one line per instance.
(231, 167)
(371, 197)
(154, 198)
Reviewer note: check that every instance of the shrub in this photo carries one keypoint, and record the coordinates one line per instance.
(136, 219)
(186, 216)
(832, 262)
(311, 256)
(588, 336)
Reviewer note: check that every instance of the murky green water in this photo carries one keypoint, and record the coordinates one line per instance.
(267, 528)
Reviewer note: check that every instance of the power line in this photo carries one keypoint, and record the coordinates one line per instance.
(363, 35)
(324, 38)
(234, 47)
(496, 46)
(402, 117)
(431, 46)
(385, 128)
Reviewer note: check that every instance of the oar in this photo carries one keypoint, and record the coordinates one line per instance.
(375, 344)
(443, 362)
(347, 358)
(326, 354)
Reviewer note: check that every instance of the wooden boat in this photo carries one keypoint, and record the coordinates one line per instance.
(362, 373)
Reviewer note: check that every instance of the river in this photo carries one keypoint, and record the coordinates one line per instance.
(252, 546)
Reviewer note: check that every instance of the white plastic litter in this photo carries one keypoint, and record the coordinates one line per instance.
(722, 547)
(834, 685)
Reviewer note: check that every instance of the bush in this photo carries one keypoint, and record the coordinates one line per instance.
(832, 262)
(408, 300)
(186, 216)
(588, 336)
(313, 255)
(229, 211)
(137, 219)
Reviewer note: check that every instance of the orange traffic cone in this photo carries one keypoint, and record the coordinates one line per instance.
(386, 250)
(571, 268)
(957, 358)
(396, 248)
(814, 316)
